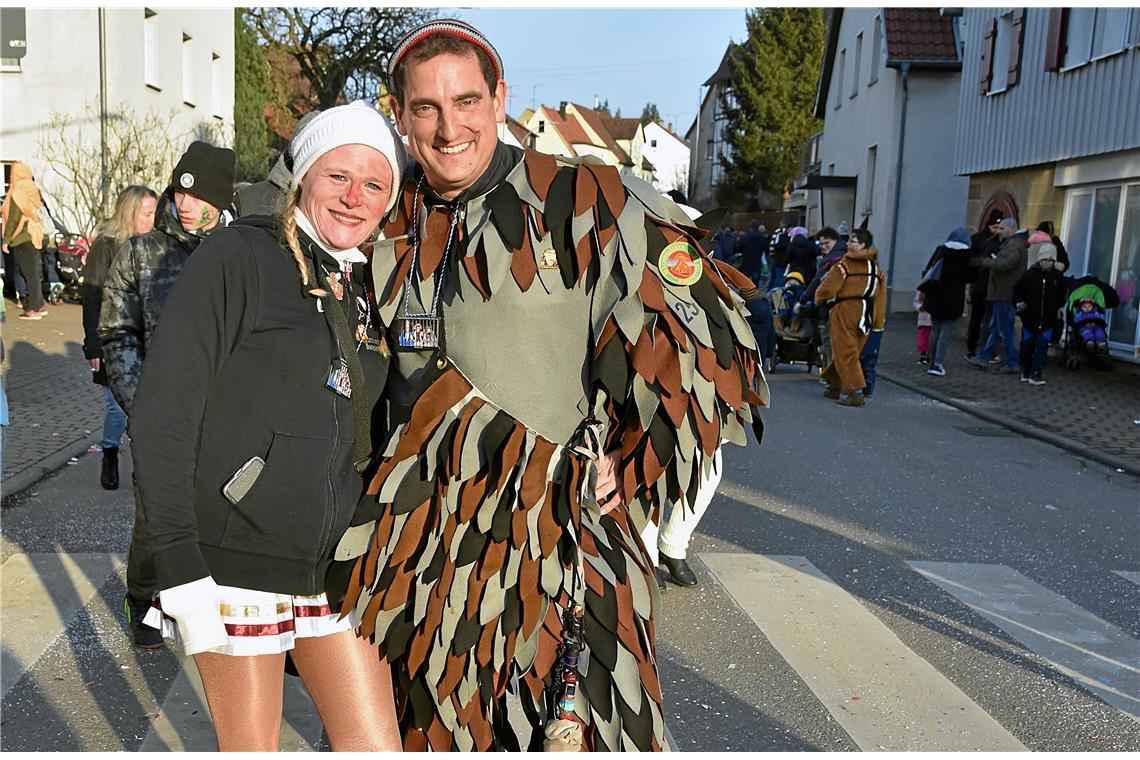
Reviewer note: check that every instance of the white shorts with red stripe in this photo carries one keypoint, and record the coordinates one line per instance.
(262, 622)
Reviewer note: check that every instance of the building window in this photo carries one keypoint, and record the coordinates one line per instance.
(876, 52)
(187, 69)
(869, 182)
(150, 47)
(839, 77)
(1001, 52)
(709, 151)
(541, 126)
(1102, 235)
(855, 64)
(652, 143)
(216, 79)
(1092, 33)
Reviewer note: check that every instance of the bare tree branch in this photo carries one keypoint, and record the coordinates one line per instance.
(340, 52)
(141, 150)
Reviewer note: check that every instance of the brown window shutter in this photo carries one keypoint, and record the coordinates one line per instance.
(1017, 38)
(988, 55)
(1055, 42)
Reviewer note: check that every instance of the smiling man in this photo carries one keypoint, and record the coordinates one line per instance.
(567, 360)
(138, 282)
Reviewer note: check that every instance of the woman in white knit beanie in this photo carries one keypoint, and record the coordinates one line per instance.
(250, 433)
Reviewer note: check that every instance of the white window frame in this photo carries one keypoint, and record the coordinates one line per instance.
(876, 51)
(187, 69)
(151, 57)
(1003, 50)
(869, 183)
(1095, 18)
(856, 65)
(216, 86)
(838, 83)
(1118, 347)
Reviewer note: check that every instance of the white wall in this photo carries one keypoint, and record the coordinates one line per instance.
(933, 199)
(548, 140)
(670, 159)
(60, 74)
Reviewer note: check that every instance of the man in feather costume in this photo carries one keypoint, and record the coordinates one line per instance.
(565, 361)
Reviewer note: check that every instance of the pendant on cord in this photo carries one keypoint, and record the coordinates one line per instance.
(419, 332)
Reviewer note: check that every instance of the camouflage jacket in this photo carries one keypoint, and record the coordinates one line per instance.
(138, 282)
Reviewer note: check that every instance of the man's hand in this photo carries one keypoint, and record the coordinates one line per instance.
(95, 363)
(608, 491)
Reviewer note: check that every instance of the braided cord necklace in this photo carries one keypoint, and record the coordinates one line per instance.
(422, 330)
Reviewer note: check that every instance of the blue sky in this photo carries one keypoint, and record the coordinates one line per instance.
(627, 56)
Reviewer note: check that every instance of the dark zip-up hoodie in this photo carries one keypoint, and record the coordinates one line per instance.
(1043, 293)
(238, 369)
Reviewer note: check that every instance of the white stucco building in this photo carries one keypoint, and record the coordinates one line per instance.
(669, 155)
(176, 64)
(888, 94)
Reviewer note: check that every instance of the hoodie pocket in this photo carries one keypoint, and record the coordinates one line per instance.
(284, 512)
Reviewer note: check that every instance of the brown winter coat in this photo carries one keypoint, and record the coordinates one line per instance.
(856, 289)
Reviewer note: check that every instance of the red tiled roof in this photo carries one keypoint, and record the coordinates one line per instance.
(597, 123)
(919, 34)
(569, 128)
(521, 133)
(620, 128)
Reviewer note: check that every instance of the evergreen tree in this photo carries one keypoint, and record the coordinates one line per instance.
(251, 93)
(773, 84)
(649, 114)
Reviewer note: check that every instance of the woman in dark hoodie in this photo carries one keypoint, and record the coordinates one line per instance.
(944, 298)
(250, 431)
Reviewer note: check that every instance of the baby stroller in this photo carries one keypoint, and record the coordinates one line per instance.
(1086, 323)
(71, 256)
(797, 339)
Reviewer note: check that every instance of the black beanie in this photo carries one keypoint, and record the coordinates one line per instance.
(207, 172)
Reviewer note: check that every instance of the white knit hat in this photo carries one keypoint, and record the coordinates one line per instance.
(355, 124)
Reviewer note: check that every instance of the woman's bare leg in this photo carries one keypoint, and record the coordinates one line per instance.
(244, 695)
(352, 688)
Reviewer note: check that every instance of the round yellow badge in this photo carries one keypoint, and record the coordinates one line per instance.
(680, 264)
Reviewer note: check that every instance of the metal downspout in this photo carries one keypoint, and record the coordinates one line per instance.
(905, 68)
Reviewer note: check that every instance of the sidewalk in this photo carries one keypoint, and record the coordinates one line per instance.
(1092, 413)
(55, 410)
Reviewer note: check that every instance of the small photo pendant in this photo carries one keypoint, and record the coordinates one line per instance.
(418, 333)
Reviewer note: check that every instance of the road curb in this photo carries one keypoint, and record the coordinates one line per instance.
(1030, 431)
(29, 476)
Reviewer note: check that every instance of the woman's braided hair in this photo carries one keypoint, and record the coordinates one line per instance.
(293, 243)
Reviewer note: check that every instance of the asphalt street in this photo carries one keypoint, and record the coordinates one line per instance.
(901, 576)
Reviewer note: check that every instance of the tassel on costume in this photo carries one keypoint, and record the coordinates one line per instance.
(565, 733)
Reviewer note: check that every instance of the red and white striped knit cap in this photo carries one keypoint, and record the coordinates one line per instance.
(454, 27)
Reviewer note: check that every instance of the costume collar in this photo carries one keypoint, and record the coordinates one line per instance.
(345, 256)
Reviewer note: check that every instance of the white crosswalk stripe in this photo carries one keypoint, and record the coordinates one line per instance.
(895, 700)
(1129, 576)
(43, 592)
(1100, 656)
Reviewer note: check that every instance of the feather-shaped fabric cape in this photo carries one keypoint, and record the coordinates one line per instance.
(463, 579)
